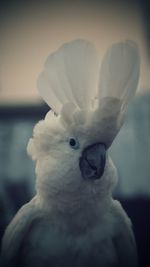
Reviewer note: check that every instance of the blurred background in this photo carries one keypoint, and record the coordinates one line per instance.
(29, 31)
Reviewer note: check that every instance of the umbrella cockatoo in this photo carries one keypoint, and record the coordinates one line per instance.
(73, 219)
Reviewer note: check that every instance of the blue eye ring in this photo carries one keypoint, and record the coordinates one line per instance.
(74, 143)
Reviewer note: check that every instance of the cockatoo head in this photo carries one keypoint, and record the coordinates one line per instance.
(88, 103)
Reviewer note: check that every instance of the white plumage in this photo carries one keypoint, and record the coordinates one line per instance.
(73, 220)
(70, 75)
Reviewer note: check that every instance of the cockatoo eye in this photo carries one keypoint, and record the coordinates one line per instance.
(74, 143)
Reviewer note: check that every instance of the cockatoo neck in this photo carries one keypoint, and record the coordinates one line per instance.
(67, 202)
(79, 196)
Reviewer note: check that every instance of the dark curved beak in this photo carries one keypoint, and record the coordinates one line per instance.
(92, 161)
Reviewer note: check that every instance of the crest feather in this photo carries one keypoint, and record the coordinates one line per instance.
(119, 73)
(69, 84)
(70, 75)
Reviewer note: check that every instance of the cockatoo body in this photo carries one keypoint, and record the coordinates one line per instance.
(73, 219)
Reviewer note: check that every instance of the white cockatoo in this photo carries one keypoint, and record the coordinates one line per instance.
(73, 220)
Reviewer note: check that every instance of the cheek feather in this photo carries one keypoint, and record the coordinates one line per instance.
(47, 137)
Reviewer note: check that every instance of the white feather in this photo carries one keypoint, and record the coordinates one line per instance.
(17, 231)
(70, 75)
(119, 72)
